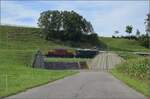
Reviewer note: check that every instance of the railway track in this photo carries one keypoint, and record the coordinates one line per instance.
(104, 61)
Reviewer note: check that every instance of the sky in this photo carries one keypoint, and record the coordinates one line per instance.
(105, 16)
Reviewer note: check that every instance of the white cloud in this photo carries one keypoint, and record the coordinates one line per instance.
(13, 12)
(118, 18)
(106, 16)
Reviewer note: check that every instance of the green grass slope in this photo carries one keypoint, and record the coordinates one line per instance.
(16, 74)
(17, 46)
(120, 44)
(135, 72)
(12, 37)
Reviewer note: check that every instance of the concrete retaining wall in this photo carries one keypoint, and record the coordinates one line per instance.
(38, 62)
(65, 65)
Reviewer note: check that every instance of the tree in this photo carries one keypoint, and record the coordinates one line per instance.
(50, 22)
(129, 29)
(144, 39)
(64, 25)
(147, 22)
(138, 33)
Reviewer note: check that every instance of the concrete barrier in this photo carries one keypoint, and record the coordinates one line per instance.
(65, 65)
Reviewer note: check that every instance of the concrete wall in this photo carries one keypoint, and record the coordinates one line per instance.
(38, 60)
(65, 65)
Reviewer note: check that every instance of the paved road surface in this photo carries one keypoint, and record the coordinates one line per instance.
(85, 85)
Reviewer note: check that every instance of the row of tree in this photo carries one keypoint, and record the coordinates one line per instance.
(143, 39)
(129, 30)
(66, 26)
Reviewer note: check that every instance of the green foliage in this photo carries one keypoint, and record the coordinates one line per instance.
(129, 29)
(66, 25)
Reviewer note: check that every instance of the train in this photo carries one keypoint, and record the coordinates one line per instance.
(60, 53)
(70, 53)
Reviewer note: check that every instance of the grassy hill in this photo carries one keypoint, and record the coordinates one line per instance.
(17, 46)
(120, 44)
(12, 37)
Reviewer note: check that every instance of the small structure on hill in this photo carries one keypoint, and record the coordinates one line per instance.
(38, 60)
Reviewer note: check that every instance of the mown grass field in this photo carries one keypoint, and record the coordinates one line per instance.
(135, 72)
(120, 44)
(16, 73)
(66, 59)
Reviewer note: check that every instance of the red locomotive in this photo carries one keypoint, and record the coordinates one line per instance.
(60, 53)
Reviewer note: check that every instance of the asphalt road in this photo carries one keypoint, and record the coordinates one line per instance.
(84, 85)
(93, 84)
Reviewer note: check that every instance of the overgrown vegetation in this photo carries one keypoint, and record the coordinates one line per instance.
(135, 71)
(136, 68)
